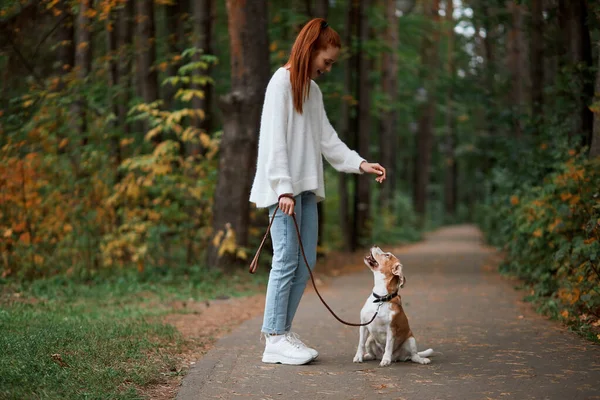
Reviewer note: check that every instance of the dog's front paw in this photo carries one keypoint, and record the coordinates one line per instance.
(358, 358)
(425, 361)
(385, 362)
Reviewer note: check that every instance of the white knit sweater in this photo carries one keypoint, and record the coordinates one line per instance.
(291, 145)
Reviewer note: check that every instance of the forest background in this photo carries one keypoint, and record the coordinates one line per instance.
(129, 132)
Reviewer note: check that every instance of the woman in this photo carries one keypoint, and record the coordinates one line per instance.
(295, 134)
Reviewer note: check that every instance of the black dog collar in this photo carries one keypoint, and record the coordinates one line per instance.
(382, 299)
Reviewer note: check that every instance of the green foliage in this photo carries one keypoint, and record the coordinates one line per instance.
(548, 224)
(66, 209)
(398, 226)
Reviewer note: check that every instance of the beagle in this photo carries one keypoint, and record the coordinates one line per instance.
(388, 337)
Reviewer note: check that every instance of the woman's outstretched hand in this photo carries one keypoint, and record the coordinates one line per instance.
(374, 168)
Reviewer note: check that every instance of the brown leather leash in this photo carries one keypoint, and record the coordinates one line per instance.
(254, 264)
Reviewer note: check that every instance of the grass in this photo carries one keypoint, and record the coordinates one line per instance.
(101, 340)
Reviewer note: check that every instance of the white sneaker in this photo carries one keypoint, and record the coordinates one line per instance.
(294, 338)
(285, 351)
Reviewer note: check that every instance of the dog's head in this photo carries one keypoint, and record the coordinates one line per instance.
(386, 264)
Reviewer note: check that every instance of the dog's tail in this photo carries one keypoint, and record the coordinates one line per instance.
(426, 353)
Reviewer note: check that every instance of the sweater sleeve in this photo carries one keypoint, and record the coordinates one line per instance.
(335, 151)
(274, 130)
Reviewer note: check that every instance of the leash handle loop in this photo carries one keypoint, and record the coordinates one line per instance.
(254, 266)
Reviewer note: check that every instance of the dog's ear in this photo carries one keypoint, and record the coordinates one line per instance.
(397, 269)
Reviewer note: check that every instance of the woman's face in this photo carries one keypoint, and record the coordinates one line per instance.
(323, 61)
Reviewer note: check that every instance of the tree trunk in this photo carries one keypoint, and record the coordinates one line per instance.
(124, 43)
(249, 42)
(203, 26)
(537, 63)
(515, 63)
(83, 65)
(320, 10)
(429, 56)
(346, 121)
(595, 142)
(172, 27)
(362, 195)
(113, 81)
(450, 178)
(389, 122)
(65, 37)
(489, 66)
(146, 35)
(578, 54)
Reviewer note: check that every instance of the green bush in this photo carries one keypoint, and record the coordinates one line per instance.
(545, 215)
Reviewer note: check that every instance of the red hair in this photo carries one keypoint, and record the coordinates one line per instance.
(315, 35)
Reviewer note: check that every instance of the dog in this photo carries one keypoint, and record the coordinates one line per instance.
(388, 337)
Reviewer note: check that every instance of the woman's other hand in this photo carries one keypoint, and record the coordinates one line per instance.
(374, 168)
(286, 204)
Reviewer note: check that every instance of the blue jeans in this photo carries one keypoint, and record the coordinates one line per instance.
(289, 274)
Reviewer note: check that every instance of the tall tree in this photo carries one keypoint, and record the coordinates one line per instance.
(173, 20)
(389, 122)
(450, 172)
(125, 29)
(348, 104)
(595, 142)
(515, 50)
(203, 11)
(113, 81)
(320, 9)
(362, 195)
(65, 33)
(577, 50)
(83, 64)
(429, 62)
(249, 43)
(537, 61)
(146, 36)
(489, 53)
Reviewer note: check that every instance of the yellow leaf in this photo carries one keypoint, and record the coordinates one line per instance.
(514, 200)
(161, 169)
(126, 142)
(241, 254)
(273, 46)
(217, 239)
(565, 314)
(8, 233)
(153, 132)
(68, 228)
(37, 259)
(63, 143)
(27, 103)
(537, 233)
